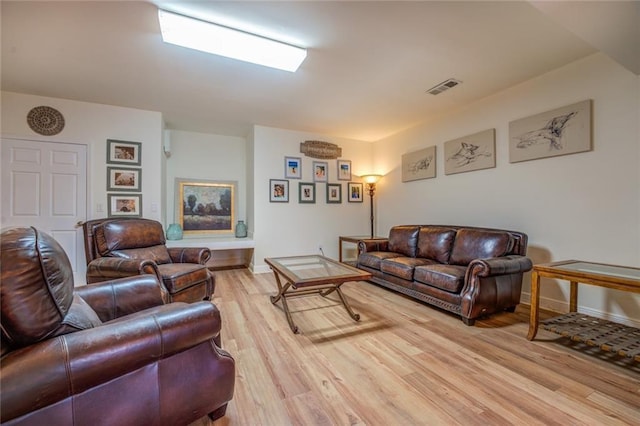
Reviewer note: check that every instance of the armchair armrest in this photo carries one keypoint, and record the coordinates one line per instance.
(372, 245)
(123, 296)
(50, 371)
(500, 266)
(108, 268)
(189, 254)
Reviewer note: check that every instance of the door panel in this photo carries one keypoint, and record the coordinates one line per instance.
(44, 184)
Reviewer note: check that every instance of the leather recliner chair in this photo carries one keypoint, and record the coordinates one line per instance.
(122, 247)
(110, 353)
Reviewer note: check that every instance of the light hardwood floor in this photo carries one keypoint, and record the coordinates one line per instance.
(406, 363)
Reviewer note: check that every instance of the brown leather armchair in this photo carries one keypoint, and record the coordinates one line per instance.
(122, 247)
(110, 353)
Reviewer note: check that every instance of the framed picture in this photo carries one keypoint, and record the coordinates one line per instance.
(123, 152)
(124, 205)
(320, 171)
(419, 164)
(307, 192)
(292, 167)
(354, 191)
(278, 191)
(473, 152)
(344, 170)
(334, 193)
(562, 131)
(205, 207)
(124, 179)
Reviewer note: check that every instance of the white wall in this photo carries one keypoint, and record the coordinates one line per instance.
(287, 229)
(92, 124)
(583, 206)
(208, 157)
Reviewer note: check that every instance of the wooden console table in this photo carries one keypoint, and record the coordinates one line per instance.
(593, 331)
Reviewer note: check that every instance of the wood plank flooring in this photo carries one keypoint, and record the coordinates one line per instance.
(406, 363)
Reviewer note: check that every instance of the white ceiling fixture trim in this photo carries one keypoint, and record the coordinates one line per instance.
(224, 41)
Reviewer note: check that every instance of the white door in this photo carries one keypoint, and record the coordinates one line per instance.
(44, 184)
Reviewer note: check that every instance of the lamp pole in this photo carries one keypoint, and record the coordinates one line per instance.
(372, 189)
(371, 181)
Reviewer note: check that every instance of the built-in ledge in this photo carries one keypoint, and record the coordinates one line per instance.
(226, 252)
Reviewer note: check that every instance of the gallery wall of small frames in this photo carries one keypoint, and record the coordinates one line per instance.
(312, 177)
(124, 178)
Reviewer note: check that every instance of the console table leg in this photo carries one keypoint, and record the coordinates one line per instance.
(535, 303)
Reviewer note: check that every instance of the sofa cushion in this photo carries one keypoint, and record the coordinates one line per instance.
(178, 276)
(473, 244)
(445, 277)
(435, 243)
(402, 267)
(404, 239)
(372, 259)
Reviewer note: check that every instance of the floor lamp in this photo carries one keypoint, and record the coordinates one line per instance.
(371, 181)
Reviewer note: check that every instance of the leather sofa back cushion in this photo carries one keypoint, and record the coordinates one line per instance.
(404, 239)
(473, 244)
(132, 239)
(37, 290)
(435, 243)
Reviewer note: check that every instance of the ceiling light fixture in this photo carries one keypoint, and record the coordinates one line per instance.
(219, 40)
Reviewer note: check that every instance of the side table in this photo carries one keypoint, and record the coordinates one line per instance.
(608, 336)
(354, 240)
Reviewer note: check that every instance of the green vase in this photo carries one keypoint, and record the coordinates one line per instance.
(241, 229)
(174, 232)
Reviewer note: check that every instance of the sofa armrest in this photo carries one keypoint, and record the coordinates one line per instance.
(50, 371)
(372, 245)
(109, 268)
(500, 266)
(189, 254)
(123, 296)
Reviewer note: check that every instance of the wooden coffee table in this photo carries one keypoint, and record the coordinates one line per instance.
(303, 275)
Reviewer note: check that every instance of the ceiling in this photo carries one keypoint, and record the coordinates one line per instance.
(368, 67)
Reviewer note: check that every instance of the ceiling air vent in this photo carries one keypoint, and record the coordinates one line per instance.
(445, 85)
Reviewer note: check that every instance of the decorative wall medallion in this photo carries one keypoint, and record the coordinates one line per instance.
(45, 120)
(320, 149)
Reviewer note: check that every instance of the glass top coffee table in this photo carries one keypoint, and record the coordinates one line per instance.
(303, 275)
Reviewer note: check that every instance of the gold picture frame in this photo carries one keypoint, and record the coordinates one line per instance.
(206, 207)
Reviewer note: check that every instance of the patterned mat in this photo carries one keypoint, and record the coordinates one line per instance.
(608, 336)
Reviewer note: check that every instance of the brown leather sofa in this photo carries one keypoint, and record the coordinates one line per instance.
(106, 354)
(469, 271)
(122, 247)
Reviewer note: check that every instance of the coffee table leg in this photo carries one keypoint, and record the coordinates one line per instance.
(346, 304)
(282, 295)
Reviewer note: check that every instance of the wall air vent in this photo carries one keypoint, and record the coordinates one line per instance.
(445, 85)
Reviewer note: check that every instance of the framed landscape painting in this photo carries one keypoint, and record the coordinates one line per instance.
(205, 207)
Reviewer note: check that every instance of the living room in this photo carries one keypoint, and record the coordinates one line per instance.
(581, 206)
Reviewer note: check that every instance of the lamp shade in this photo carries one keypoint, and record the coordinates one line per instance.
(371, 178)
